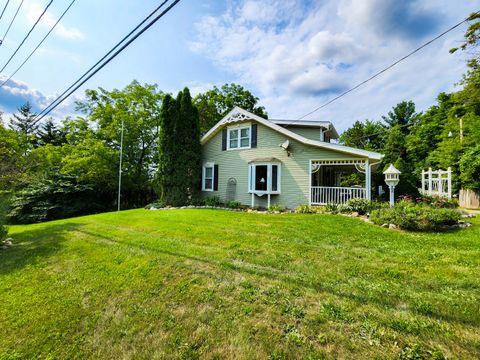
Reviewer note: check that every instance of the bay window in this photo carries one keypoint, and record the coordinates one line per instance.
(264, 178)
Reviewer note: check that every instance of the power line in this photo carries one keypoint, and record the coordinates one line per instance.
(11, 22)
(59, 99)
(85, 78)
(28, 34)
(39, 44)
(383, 70)
(1, 15)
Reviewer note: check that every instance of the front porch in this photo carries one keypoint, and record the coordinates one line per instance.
(338, 181)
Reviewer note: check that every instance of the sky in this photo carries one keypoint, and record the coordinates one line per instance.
(293, 55)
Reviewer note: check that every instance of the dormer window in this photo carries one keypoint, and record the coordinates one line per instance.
(239, 138)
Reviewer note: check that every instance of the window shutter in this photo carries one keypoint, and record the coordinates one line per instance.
(224, 139)
(215, 177)
(253, 142)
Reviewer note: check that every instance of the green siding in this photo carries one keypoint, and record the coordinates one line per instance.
(307, 132)
(294, 168)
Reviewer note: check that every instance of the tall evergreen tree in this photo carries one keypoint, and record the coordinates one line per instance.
(49, 133)
(166, 174)
(403, 115)
(179, 150)
(24, 125)
(24, 122)
(188, 134)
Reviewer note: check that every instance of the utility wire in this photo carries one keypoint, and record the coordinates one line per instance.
(385, 69)
(86, 76)
(1, 15)
(11, 22)
(39, 44)
(28, 34)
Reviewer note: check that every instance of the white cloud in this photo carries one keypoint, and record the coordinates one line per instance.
(16, 93)
(33, 11)
(296, 56)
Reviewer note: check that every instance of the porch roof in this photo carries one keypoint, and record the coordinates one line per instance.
(239, 115)
(264, 159)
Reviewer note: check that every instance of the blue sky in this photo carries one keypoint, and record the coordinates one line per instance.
(294, 55)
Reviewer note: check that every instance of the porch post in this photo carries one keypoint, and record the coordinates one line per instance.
(368, 180)
(309, 182)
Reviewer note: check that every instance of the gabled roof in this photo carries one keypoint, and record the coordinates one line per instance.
(327, 125)
(240, 115)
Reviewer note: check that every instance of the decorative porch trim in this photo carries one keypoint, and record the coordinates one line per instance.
(356, 162)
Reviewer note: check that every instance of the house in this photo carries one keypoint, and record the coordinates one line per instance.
(260, 162)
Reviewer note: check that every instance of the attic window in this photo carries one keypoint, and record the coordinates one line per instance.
(239, 138)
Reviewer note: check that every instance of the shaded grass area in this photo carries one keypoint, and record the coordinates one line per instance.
(218, 284)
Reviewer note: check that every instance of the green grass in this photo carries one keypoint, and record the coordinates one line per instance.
(218, 284)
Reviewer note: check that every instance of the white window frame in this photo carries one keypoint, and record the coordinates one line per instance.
(251, 177)
(239, 137)
(204, 171)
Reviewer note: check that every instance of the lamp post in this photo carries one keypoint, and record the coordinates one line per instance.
(392, 177)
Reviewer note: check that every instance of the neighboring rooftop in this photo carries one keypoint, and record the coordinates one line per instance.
(327, 125)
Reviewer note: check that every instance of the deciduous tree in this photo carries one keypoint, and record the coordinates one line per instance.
(214, 104)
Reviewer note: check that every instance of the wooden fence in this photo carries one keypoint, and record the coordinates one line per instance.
(469, 199)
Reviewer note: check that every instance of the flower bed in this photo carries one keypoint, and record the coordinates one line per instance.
(414, 216)
(423, 214)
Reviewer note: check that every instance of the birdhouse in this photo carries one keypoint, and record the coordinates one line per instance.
(392, 176)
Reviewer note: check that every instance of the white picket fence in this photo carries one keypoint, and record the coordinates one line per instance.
(437, 183)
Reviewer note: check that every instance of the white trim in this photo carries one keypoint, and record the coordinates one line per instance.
(239, 137)
(204, 167)
(310, 182)
(344, 161)
(240, 115)
(368, 180)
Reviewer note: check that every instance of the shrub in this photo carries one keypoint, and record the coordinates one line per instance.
(212, 201)
(434, 201)
(413, 216)
(233, 204)
(3, 232)
(275, 208)
(361, 206)
(155, 205)
(305, 209)
(57, 198)
(333, 208)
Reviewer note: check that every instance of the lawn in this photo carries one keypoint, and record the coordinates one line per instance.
(217, 284)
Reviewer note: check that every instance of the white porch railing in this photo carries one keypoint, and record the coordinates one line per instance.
(321, 195)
